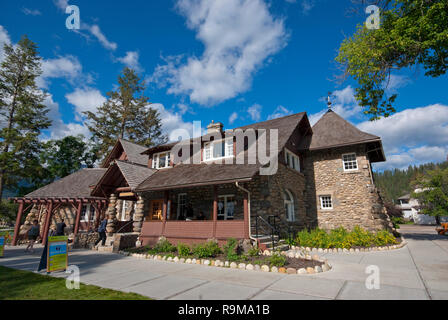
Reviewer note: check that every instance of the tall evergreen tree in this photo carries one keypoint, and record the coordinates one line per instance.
(126, 114)
(22, 113)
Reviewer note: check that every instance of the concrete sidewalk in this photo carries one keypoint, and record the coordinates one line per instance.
(417, 271)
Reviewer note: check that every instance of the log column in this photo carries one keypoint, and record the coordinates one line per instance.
(138, 215)
(111, 215)
(17, 226)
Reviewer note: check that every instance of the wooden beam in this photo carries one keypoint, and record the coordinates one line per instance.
(246, 216)
(78, 218)
(17, 226)
(127, 194)
(215, 209)
(164, 210)
(47, 222)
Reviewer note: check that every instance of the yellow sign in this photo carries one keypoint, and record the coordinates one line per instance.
(57, 253)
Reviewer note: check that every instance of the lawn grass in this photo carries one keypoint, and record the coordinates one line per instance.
(26, 285)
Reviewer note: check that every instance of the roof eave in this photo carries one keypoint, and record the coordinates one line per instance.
(198, 184)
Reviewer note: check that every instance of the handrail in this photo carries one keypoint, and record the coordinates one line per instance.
(266, 223)
(129, 222)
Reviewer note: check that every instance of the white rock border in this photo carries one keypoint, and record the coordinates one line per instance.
(233, 265)
(340, 250)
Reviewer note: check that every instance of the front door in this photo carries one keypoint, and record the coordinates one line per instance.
(155, 210)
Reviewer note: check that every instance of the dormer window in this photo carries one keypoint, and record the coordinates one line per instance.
(161, 160)
(218, 149)
(292, 160)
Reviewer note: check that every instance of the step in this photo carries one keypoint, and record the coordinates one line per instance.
(105, 249)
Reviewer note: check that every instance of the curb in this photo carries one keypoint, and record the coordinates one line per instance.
(233, 265)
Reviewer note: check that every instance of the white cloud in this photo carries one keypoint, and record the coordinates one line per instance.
(131, 60)
(87, 99)
(32, 12)
(99, 35)
(171, 120)
(412, 136)
(237, 42)
(279, 112)
(61, 4)
(255, 112)
(67, 67)
(233, 117)
(307, 5)
(4, 39)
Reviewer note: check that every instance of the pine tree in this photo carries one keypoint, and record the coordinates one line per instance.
(126, 114)
(22, 113)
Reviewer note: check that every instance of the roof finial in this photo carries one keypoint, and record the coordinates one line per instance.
(329, 100)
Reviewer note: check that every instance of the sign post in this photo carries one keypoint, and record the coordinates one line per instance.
(57, 255)
(2, 244)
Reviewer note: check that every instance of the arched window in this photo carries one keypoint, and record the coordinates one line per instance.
(289, 205)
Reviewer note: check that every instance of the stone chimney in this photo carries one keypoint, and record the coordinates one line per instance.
(214, 127)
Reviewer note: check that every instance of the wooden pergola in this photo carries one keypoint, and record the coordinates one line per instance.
(52, 204)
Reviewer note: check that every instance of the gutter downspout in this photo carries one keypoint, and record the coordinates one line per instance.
(248, 207)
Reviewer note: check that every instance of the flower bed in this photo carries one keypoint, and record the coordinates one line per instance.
(340, 238)
(230, 256)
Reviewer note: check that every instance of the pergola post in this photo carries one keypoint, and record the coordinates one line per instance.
(246, 216)
(215, 210)
(78, 218)
(47, 222)
(165, 210)
(98, 209)
(17, 226)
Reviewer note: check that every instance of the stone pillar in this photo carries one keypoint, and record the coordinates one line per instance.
(111, 215)
(138, 215)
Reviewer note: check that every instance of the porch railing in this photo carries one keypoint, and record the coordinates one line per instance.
(267, 227)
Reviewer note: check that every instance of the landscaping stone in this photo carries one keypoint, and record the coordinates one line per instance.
(291, 271)
(316, 257)
(170, 259)
(274, 269)
(281, 270)
(265, 268)
(249, 267)
(257, 267)
(291, 255)
(217, 263)
(188, 261)
(267, 252)
(176, 259)
(233, 265)
(212, 263)
(325, 267)
(182, 260)
(301, 271)
(318, 269)
(310, 270)
(242, 266)
(193, 261)
(308, 257)
(227, 264)
(198, 261)
(206, 262)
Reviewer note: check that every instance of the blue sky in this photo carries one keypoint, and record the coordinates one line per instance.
(234, 61)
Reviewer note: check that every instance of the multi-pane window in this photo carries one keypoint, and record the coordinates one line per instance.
(86, 211)
(161, 160)
(226, 207)
(218, 149)
(292, 160)
(289, 205)
(349, 161)
(326, 202)
(182, 206)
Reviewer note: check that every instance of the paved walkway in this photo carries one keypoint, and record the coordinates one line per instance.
(417, 271)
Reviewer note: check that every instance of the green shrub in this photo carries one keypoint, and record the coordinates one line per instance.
(183, 250)
(276, 260)
(230, 249)
(163, 246)
(208, 249)
(396, 221)
(341, 238)
(253, 252)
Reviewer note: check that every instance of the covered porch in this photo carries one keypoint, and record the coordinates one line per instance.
(196, 213)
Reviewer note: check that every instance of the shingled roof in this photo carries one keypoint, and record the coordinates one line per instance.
(134, 174)
(333, 131)
(134, 152)
(188, 175)
(75, 185)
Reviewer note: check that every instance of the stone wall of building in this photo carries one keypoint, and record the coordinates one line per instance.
(267, 197)
(354, 196)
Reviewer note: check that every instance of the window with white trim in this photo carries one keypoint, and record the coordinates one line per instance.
(87, 210)
(226, 207)
(292, 160)
(326, 202)
(218, 149)
(161, 160)
(182, 206)
(289, 205)
(349, 162)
